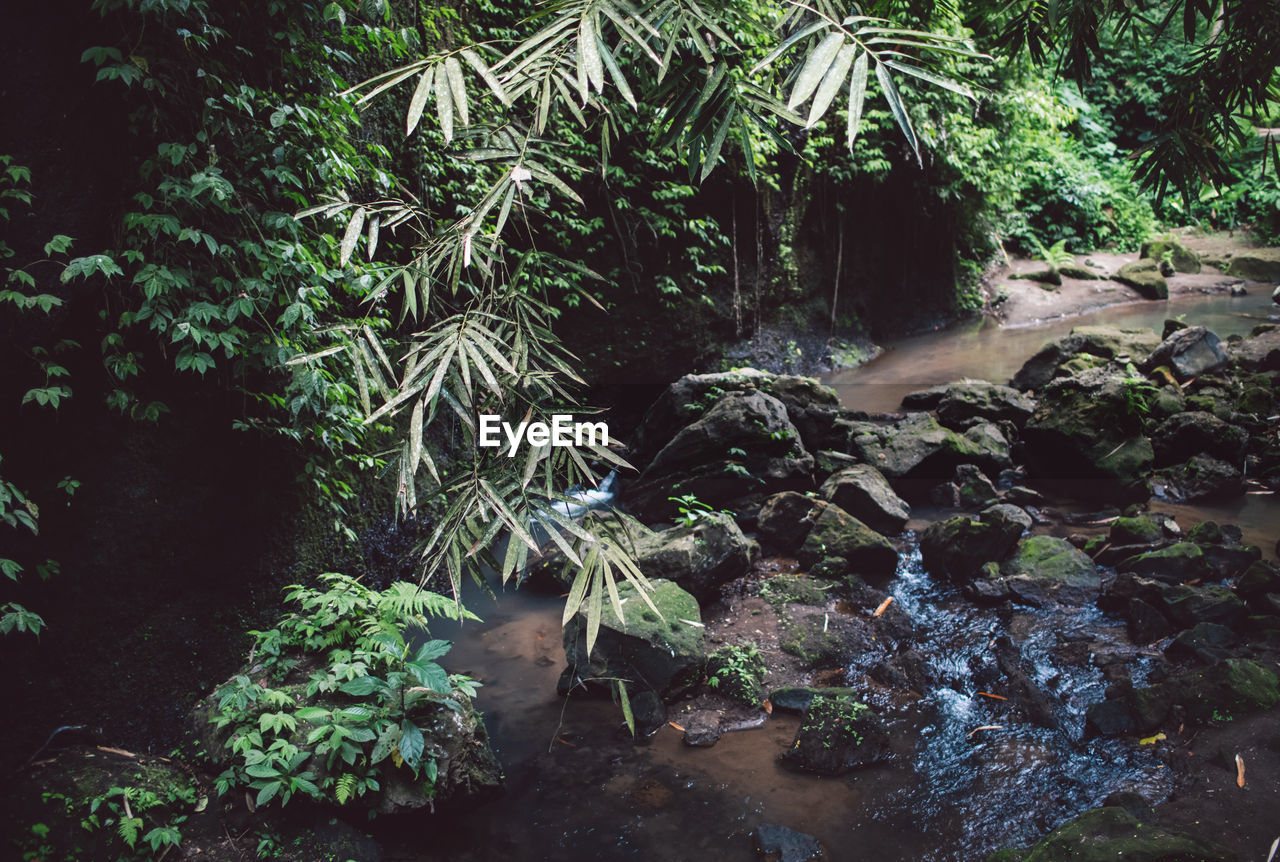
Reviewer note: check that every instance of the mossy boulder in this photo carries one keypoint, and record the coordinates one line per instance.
(796, 699)
(1195, 432)
(699, 556)
(836, 533)
(1256, 264)
(1202, 477)
(1103, 342)
(1259, 352)
(919, 447)
(862, 491)
(1110, 834)
(1139, 530)
(971, 401)
(1144, 276)
(662, 652)
(1181, 258)
(959, 546)
(1046, 569)
(1189, 352)
(785, 519)
(1176, 563)
(1220, 692)
(837, 735)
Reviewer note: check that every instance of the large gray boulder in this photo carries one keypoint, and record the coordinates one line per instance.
(1047, 570)
(1104, 342)
(660, 652)
(1145, 277)
(1202, 477)
(1189, 353)
(699, 556)
(960, 546)
(1089, 427)
(838, 734)
(1181, 258)
(785, 519)
(1260, 351)
(1186, 434)
(972, 401)
(745, 444)
(919, 447)
(862, 491)
(836, 533)
(1258, 264)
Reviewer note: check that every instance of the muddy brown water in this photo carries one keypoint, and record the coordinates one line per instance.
(579, 788)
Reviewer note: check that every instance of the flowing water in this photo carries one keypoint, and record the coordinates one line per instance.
(578, 787)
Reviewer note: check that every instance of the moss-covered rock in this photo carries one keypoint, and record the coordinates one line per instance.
(1220, 692)
(1144, 276)
(838, 734)
(1105, 342)
(1256, 264)
(1181, 258)
(836, 533)
(968, 402)
(959, 546)
(1110, 834)
(1179, 562)
(699, 555)
(1046, 569)
(862, 491)
(919, 447)
(664, 651)
(785, 519)
(1140, 530)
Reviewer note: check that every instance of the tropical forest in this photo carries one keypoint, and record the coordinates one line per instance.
(716, 430)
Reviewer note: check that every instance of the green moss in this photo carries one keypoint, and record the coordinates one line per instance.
(1108, 834)
(789, 589)
(1135, 531)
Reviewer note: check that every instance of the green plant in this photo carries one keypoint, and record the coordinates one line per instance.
(127, 808)
(737, 672)
(344, 695)
(691, 509)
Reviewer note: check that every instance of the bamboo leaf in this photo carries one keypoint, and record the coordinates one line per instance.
(831, 83)
(857, 96)
(713, 153)
(589, 51)
(351, 237)
(491, 80)
(595, 606)
(579, 588)
(415, 434)
(627, 715)
(615, 73)
(815, 68)
(896, 107)
(444, 104)
(457, 88)
(787, 43)
(374, 224)
(930, 77)
(419, 99)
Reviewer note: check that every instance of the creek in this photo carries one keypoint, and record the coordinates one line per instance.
(578, 787)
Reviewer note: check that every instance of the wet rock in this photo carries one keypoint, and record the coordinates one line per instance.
(1140, 530)
(1006, 513)
(1144, 276)
(1105, 342)
(1113, 833)
(960, 546)
(796, 699)
(1259, 579)
(785, 519)
(649, 712)
(699, 556)
(1188, 605)
(1202, 477)
(808, 403)
(1046, 569)
(972, 401)
(1188, 353)
(827, 461)
(838, 734)
(1226, 561)
(1133, 803)
(1183, 561)
(786, 845)
(1238, 290)
(1181, 258)
(1259, 352)
(1086, 428)
(829, 568)
(1023, 692)
(744, 444)
(1021, 495)
(1194, 432)
(1207, 642)
(974, 489)
(919, 447)
(863, 492)
(1256, 264)
(1146, 624)
(839, 534)
(701, 729)
(663, 653)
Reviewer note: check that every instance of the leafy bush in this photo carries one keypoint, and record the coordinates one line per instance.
(737, 672)
(342, 693)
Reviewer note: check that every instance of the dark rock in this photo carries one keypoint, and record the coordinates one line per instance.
(1238, 290)
(836, 533)
(796, 699)
(786, 845)
(838, 734)
(701, 729)
(829, 569)
(699, 556)
(1023, 691)
(1181, 258)
(967, 403)
(1105, 342)
(1176, 563)
(925, 399)
(1145, 277)
(863, 492)
(1187, 605)
(1135, 531)
(785, 519)
(1207, 642)
(1259, 579)
(1188, 353)
(827, 461)
(1146, 624)
(1111, 833)
(973, 487)
(1256, 264)
(1086, 428)
(1202, 477)
(1046, 569)
(1134, 803)
(1186, 434)
(959, 546)
(1259, 352)
(918, 447)
(744, 444)
(649, 712)
(663, 653)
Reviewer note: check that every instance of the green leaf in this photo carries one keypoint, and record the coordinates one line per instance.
(831, 83)
(418, 101)
(360, 686)
(457, 88)
(857, 97)
(896, 107)
(589, 61)
(444, 104)
(411, 743)
(627, 715)
(815, 68)
(351, 236)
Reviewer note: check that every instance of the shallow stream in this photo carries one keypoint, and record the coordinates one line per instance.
(578, 788)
